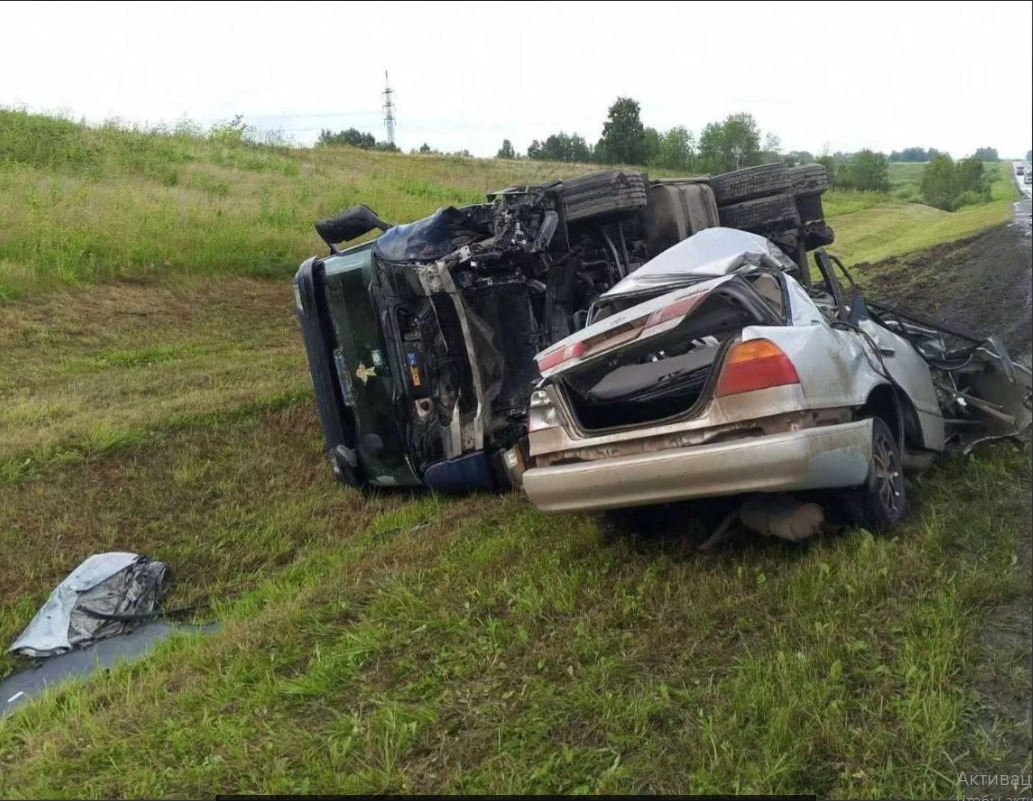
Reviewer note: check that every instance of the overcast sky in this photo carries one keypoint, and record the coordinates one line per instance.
(955, 76)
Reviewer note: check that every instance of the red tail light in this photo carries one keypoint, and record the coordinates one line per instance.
(560, 355)
(677, 309)
(756, 364)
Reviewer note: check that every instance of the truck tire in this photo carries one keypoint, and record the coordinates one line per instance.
(602, 193)
(750, 183)
(809, 179)
(761, 214)
(880, 502)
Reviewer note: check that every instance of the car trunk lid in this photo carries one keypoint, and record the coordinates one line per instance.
(655, 360)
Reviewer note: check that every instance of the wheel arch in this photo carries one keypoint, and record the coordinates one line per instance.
(896, 409)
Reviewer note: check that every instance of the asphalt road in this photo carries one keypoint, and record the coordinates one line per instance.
(1019, 179)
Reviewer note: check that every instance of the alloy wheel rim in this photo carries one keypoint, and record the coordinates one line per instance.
(887, 474)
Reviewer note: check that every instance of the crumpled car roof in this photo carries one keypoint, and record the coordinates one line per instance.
(711, 253)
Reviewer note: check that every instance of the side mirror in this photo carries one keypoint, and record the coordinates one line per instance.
(348, 225)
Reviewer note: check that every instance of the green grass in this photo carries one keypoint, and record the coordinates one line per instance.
(407, 642)
(478, 646)
(870, 226)
(81, 204)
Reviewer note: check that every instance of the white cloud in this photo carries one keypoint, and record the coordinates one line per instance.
(954, 76)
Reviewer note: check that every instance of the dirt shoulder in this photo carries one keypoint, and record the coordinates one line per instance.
(981, 285)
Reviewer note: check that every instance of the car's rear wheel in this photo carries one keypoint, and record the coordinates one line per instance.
(880, 502)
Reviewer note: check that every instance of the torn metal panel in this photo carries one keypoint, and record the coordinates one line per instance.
(102, 597)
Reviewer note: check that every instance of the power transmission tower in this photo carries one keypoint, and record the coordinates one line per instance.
(389, 110)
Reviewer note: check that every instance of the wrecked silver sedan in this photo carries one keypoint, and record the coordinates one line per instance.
(713, 371)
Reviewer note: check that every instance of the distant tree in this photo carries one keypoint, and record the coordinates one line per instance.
(732, 144)
(741, 140)
(911, 154)
(771, 153)
(972, 181)
(831, 167)
(560, 147)
(939, 183)
(624, 137)
(580, 150)
(1029, 155)
(866, 171)
(949, 184)
(352, 137)
(986, 154)
(677, 149)
(711, 145)
(506, 151)
(651, 138)
(425, 148)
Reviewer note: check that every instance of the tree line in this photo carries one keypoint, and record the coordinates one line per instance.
(734, 142)
(913, 154)
(354, 138)
(730, 144)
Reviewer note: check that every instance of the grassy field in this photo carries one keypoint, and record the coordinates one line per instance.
(871, 226)
(82, 204)
(412, 642)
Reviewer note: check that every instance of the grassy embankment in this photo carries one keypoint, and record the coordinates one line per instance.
(421, 643)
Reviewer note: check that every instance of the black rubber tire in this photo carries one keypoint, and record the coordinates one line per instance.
(881, 501)
(602, 193)
(809, 179)
(778, 211)
(750, 183)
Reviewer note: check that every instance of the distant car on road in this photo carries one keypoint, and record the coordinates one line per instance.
(1020, 169)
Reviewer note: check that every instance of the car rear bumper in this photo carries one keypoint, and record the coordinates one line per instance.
(814, 458)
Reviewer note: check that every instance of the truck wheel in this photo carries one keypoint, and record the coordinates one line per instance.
(749, 183)
(880, 502)
(602, 193)
(809, 179)
(763, 213)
